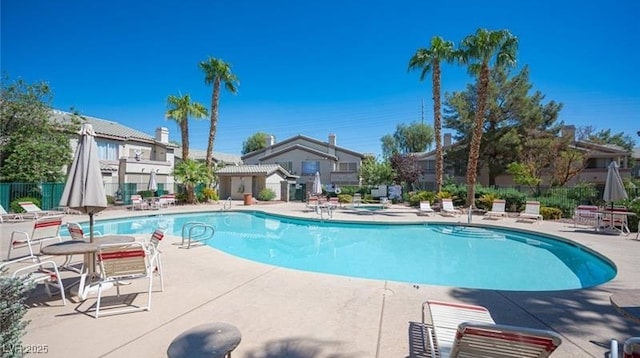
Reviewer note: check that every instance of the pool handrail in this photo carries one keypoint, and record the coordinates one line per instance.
(203, 232)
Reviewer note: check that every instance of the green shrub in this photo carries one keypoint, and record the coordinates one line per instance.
(633, 205)
(566, 206)
(345, 198)
(416, 198)
(12, 311)
(111, 200)
(515, 200)
(16, 208)
(550, 213)
(209, 194)
(266, 194)
(486, 201)
(146, 193)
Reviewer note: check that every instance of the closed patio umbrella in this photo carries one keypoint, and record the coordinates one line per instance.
(84, 190)
(614, 187)
(317, 185)
(153, 183)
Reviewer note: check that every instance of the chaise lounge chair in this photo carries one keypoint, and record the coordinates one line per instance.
(630, 349)
(497, 210)
(461, 330)
(425, 208)
(9, 217)
(34, 211)
(531, 211)
(448, 209)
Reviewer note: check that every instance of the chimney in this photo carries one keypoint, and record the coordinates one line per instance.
(162, 135)
(569, 131)
(447, 140)
(332, 139)
(269, 141)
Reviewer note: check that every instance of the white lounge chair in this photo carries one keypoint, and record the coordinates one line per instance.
(461, 330)
(425, 208)
(9, 217)
(34, 211)
(448, 209)
(531, 211)
(154, 253)
(497, 210)
(77, 233)
(44, 229)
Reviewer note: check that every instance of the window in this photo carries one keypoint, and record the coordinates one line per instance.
(430, 166)
(310, 167)
(107, 150)
(348, 167)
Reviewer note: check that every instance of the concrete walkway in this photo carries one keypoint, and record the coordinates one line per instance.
(288, 313)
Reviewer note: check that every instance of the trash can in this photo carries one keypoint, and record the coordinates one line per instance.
(248, 198)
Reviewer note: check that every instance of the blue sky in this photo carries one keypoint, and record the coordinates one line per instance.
(313, 68)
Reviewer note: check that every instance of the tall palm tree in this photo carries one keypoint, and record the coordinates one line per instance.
(216, 72)
(428, 59)
(478, 51)
(180, 108)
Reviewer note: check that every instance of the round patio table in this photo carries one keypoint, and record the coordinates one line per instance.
(211, 340)
(84, 247)
(627, 302)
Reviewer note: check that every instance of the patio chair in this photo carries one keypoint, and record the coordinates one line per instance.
(616, 218)
(425, 209)
(312, 203)
(166, 200)
(531, 211)
(44, 229)
(448, 209)
(77, 233)
(461, 330)
(497, 210)
(154, 253)
(586, 215)
(357, 199)
(630, 348)
(34, 211)
(9, 217)
(138, 203)
(45, 272)
(118, 263)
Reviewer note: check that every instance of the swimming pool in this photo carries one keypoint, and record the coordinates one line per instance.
(447, 255)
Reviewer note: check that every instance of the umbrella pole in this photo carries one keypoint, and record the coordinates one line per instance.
(92, 259)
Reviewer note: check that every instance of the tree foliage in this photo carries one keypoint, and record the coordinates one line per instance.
(191, 173)
(374, 172)
(255, 142)
(515, 121)
(480, 52)
(33, 147)
(180, 108)
(406, 169)
(620, 139)
(428, 60)
(413, 138)
(217, 73)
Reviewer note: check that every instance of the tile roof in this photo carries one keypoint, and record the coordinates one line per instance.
(107, 128)
(264, 169)
(200, 154)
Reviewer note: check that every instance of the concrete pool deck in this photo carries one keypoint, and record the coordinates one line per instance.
(289, 313)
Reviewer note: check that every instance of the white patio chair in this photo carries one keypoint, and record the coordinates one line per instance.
(448, 209)
(118, 263)
(9, 217)
(531, 211)
(45, 272)
(155, 254)
(44, 229)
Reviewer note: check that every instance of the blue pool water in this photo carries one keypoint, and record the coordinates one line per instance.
(448, 255)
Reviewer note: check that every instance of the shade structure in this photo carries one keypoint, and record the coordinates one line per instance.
(317, 185)
(84, 189)
(153, 182)
(614, 187)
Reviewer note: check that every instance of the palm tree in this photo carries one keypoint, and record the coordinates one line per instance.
(180, 108)
(478, 51)
(191, 173)
(428, 59)
(216, 72)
